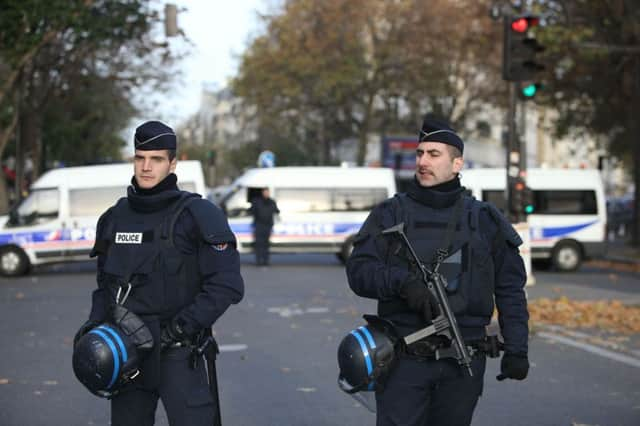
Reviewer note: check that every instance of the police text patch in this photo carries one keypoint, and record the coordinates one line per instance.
(128, 237)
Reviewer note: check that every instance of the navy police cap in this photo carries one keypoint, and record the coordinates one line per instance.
(436, 130)
(154, 135)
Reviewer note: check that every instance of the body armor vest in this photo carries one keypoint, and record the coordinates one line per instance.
(141, 253)
(468, 269)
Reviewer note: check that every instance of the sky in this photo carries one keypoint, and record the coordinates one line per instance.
(219, 30)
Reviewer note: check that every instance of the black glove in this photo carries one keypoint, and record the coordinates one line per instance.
(172, 333)
(419, 298)
(513, 367)
(84, 329)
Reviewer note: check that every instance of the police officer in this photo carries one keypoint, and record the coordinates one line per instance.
(483, 265)
(262, 209)
(168, 256)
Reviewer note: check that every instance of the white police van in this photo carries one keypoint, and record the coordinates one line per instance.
(321, 208)
(569, 220)
(56, 222)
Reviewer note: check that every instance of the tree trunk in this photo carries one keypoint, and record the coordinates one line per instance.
(5, 136)
(363, 133)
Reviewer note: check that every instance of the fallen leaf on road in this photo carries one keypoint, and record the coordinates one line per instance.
(4, 381)
(610, 315)
(19, 295)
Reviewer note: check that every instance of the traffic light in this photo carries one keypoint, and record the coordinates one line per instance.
(528, 91)
(516, 196)
(528, 201)
(520, 49)
(211, 157)
(171, 20)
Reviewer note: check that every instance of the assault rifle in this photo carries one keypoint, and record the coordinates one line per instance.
(445, 323)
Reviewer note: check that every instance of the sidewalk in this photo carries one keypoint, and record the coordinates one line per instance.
(620, 256)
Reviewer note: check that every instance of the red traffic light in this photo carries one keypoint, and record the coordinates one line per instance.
(521, 25)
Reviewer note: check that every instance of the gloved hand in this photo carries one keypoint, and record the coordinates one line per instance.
(419, 298)
(172, 333)
(84, 329)
(513, 366)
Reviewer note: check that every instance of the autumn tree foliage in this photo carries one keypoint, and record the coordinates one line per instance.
(327, 71)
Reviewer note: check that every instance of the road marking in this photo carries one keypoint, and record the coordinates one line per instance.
(593, 349)
(290, 311)
(233, 347)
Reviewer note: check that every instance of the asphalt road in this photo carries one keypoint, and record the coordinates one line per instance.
(278, 365)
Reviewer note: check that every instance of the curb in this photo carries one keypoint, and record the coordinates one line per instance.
(618, 264)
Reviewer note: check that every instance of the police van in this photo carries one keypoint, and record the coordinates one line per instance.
(321, 208)
(569, 219)
(56, 222)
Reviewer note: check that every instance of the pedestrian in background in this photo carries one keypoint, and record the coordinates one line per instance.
(482, 265)
(263, 208)
(173, 256)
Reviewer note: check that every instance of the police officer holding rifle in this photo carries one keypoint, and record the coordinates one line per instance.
(436, 260)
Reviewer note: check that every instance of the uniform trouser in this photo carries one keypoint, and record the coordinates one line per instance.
(184, 392)
(261, 236)
(430, 393)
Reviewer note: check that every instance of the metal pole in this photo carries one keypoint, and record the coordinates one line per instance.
(513, 151)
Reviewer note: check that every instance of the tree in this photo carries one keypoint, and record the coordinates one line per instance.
(594, 74)
(48, 50)
(326, 71)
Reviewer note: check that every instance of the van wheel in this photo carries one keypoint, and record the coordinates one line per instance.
(13, 261)
(566, 256)
(346, 250)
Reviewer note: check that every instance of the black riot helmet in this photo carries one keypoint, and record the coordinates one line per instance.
(366, 355)
(108, 356)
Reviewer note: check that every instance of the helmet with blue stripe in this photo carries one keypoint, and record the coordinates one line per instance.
(107, 357)
(366, 355)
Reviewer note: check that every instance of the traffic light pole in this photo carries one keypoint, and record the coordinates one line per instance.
(514, 163)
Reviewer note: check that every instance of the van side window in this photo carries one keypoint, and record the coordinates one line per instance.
(93, 201)
(494, 197)
(41, 206)
(303, 200)
(357, 199)
(565, 202)
(553, 202)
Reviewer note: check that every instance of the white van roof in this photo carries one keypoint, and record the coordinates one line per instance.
(317, 177)
(106, 175)
(536, 178)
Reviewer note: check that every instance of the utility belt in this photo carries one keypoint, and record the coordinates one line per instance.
(440, 347)
(202, 344)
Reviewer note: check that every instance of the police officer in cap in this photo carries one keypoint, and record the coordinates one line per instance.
(483, 265)
(168, 256)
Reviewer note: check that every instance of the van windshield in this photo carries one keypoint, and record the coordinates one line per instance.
(40, 206)
(235, 203)
(94, 201)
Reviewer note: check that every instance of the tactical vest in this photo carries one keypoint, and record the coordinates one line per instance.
(468, 269)
(141, 252)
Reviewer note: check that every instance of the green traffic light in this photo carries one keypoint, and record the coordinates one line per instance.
(530, 90)
(528, 209)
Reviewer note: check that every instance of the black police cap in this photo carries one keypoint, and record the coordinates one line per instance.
(436, 130)
(154, 135)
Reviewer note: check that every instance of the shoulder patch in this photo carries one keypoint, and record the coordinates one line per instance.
(211, 222)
